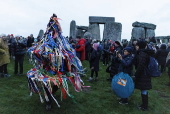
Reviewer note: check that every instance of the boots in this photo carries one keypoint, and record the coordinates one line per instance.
(123, 101)
(7, 75)
(144, 105)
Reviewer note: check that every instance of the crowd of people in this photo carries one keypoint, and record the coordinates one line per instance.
(117, 56)
(16, 48)
(124, 57)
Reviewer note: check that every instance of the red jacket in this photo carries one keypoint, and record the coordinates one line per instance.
(81, 50)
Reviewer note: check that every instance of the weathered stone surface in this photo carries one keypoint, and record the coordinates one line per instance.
(144, 25)
(150, 33)
(41, 33)
(164, 39)
(87, 35)
(101, 20)
(112, 31)
(80, 33)
(95, 31)
(83, 27)
(73, 29)
(138, 32)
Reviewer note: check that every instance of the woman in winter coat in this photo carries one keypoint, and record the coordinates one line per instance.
(114, 64)
(4, 57)
(126, 66)
(94, 61)
(161, 55)
(142, 79)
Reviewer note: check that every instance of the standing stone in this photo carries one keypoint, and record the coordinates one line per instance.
(138, 32)
(41, 33)
(150, 33)
(80, 33)
(95, 31)
(112, 31)
(73, 29)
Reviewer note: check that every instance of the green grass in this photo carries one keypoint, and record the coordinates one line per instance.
(98, 99)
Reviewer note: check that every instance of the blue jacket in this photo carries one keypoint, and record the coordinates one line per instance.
(126, 64)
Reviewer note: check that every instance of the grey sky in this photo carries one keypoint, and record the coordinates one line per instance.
(23, 17)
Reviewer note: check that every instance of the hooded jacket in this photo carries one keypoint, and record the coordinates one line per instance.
(81, 49)
(142, 80)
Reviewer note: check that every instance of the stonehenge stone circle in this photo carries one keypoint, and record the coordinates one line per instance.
(143, 30)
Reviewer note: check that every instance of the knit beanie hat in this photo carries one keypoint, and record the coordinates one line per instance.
(129, 49)
(142, 44)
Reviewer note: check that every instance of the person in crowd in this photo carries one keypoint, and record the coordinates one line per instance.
(126, 66)
(168, 48)
(168, 65)
(94, 62)
(18, 46)
(106, 53)
(87, 48)
(142, 79)
(4, 56)
(158, 43)
(151, 45)
(112, 49)
(9, 44)
(114, 64)
(30, 40)
(80, 47)
(161, 55)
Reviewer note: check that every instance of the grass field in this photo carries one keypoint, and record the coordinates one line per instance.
(99, 99)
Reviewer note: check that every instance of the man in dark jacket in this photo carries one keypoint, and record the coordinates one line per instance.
(18, 46)
(161, 55)
(142, 79)
(114, 64)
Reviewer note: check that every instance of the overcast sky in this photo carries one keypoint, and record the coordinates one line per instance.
(23, 17)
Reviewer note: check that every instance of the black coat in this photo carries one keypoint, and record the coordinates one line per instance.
(94, 60)
(161, 55)
(115, 62)
(88, 46)
(18, 48)
(142, 80)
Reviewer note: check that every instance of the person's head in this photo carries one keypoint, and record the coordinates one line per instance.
(17, 37)
(134, 42)
(78, 38)
(141, 44)
(117, 43)
(3, 36)
(163, 46)
(168, 45)
(127, 50)
(95, 46)
(31, 35)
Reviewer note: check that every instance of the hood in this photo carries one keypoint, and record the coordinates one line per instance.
(148, 51)
(82, 40)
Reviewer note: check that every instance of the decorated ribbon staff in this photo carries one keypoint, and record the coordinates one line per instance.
(55, 63)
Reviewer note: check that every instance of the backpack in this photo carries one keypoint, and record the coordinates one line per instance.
(153, 68)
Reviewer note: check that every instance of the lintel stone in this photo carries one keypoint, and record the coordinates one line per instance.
(101, 20)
